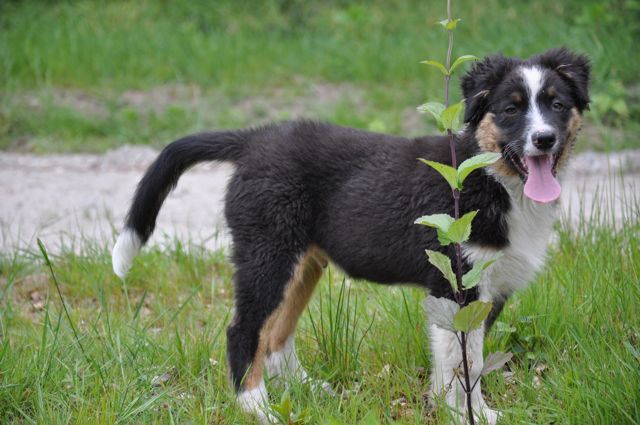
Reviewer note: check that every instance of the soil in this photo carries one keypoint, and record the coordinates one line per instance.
(68, 199)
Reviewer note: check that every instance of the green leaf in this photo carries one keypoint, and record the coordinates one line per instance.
(451, 116)
(435, 109)
(440, 312)
(471, 316)
(437, 65)
(449, 24)
(441, 222)
(460, 230)
(438, 221)
(495, 361)
(448, 172)
(475, 162)
(443, 263)
(284, 408)
(459, 61)
(473, 276)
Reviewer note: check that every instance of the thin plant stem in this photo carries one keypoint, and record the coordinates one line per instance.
(467, 383)
(461, 297)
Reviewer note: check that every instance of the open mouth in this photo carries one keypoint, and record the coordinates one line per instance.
(539, 176)
(520, 164)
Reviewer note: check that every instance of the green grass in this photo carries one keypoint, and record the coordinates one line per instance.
(68, 69)
(575, 333)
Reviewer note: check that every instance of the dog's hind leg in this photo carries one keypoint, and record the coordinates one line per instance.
(271, 293)
(282, 361)
(261, 279)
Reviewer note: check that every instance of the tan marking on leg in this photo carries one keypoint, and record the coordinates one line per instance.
(488, 136)
(254, 377)
(575, 123)
(296, 298)
(282, 322)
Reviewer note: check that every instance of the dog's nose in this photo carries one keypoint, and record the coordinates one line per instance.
(544, 140)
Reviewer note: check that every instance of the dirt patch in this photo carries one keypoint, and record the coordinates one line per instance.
(29, 295)
(65, 199)
(306, 100)
(33, 288)
(301, 98)
(158, 99)
(79, 100)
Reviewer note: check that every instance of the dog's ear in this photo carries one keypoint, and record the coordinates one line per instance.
(478, 83)
(573, 68)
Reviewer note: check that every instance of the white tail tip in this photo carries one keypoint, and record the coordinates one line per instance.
(124, 251)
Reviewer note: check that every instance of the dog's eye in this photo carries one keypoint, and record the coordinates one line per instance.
(557, 106)
(510, 110)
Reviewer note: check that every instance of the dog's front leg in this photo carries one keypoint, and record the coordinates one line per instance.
(447, 363)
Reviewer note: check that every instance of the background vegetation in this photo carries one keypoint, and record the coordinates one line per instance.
(90, 75)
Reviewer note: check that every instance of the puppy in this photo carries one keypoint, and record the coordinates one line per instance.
(304, 193)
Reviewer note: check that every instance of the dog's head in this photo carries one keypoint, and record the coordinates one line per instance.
(530, 112)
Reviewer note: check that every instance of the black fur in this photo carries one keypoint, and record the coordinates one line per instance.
(354, 194)
(574, 69)
(479, 83)
(175, 159)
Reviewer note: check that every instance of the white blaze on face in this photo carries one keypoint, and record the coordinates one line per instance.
(533, 79)
(540, 184)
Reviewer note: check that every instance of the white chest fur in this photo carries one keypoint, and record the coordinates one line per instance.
(530, 225)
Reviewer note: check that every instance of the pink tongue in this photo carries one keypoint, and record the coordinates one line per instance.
(541, 186)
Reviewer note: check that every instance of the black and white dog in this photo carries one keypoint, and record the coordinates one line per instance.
(304, 193)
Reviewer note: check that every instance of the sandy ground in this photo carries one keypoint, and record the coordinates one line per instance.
(65, 199)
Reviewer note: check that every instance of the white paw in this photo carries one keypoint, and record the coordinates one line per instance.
(256, 402)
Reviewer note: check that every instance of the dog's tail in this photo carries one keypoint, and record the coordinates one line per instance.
(161, 177)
